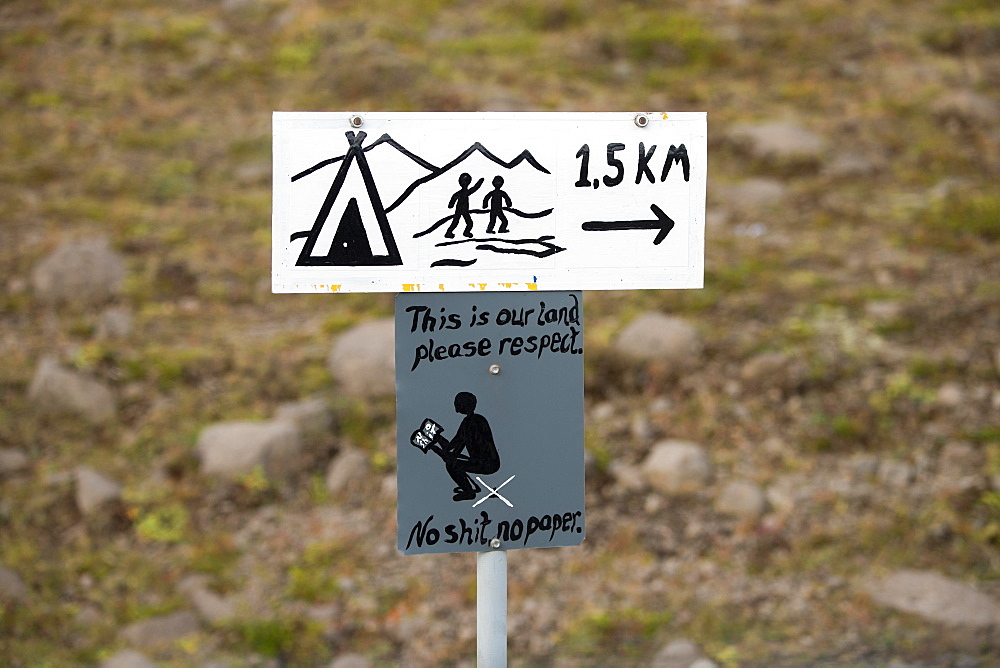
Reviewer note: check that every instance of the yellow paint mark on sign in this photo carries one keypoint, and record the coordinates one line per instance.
(335, 288)
(532, 286)
(411, 287)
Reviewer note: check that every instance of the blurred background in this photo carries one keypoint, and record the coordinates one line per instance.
(797, 465)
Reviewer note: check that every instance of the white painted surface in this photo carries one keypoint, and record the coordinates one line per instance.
(414, 187)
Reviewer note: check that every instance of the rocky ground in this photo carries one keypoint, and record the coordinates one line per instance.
(797, 465)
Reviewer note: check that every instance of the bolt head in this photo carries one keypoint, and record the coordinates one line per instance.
(641, 120)
(495, 543)
(494, 369)
(357, 121)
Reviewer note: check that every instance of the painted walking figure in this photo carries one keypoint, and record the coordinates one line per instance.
(460, 200)
(470, 450)
(495, 200)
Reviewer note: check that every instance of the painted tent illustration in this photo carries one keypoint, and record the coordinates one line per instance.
(349, 242)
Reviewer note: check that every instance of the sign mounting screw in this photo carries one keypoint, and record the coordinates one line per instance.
(357, 121)
(641, 120)
(494, 369)
(495, 543)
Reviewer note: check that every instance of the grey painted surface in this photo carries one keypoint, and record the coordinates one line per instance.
(534, 407)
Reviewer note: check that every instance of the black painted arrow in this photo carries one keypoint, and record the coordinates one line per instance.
(663, 223)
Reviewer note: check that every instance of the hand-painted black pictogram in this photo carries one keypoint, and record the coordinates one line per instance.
(663, 223)
(351, 245)
(460, 200)
(495, 200)
(470, 450)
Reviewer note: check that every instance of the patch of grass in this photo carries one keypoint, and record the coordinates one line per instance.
(959, 217)
(624, 633)
(294, 640)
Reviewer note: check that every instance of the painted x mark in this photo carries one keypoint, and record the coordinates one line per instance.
(493, 492)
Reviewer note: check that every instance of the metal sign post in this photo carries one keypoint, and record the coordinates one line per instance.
(491, 609)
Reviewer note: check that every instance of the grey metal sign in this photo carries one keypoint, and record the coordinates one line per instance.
(489, 410)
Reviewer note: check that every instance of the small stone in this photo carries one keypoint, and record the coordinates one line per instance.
(12, 587)
(55, 389)
(212, 607)
(741, 498)
(160, 630)
(950, 395)
(655, 337)
(968, 108)
(680, 653)
(895, 473)
(312, 416)
(756, 193)
(676, 467)
(114, 323)
(773, 369)
(962, 466)
(233, 449)
(12, 462)
(936, 598)
(85, 271)
(362, 359)
(351, 661)
(627, 477)
(850, 165)
(128, 658)
(348, 466)
(779, 141)
(884, 310)
(94, 490)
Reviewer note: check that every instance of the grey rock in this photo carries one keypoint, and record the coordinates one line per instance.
(349, 465)
(951, 395)
(128, 658)
(79, 271)
(936, 598)
(895, 473)
(773, 370)
(12, 462)
(884, 310)
(850, 165)
(961, 467)
(655, 337)
(212, 607)
(232, 449)
(362, 359)
(704, 663)
(680, 653)
(350, 661)
(312, 416)
(12, 587)
(56, 389)
(114, 323)
(779, 141)
(94, 490)
(162, 630)
(967, 107)
(675, 467)
(755, 193)
(741, 498)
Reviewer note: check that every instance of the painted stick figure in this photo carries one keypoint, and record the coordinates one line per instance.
(460, 200)
(495, 200)
(470, 450)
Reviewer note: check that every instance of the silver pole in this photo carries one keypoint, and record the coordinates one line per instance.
(491, 609)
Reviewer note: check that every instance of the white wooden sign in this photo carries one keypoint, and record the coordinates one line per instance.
(400, 202)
